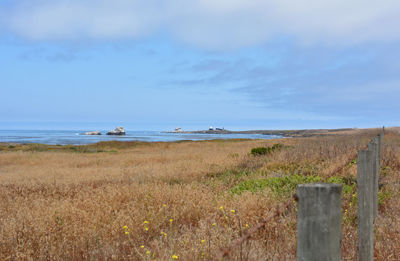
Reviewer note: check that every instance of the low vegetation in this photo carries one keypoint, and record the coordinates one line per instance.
(265, 150)
(182, 200)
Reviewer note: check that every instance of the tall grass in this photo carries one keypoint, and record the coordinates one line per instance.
(166, 201)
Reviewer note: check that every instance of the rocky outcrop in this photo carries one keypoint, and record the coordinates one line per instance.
(92, 133)
(117, 131)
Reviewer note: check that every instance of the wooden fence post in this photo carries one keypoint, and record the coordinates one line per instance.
(365, 181)
(380, 141)
(319, 230)
(374, 147)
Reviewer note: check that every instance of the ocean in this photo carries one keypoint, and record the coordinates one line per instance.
(75, 137)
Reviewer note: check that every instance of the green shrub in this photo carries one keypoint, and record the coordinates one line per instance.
(349, 183)
(259, 151)
(265, 150)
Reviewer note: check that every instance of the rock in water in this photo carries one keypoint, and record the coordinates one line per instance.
(117, 131)
(92, 133)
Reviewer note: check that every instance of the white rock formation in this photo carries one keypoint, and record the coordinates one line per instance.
(117, 131)
(92, 133)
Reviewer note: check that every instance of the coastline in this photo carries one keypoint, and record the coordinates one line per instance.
(72, 138)
(283, 133)
(51, 137)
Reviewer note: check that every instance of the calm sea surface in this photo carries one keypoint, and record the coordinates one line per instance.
(76, 137)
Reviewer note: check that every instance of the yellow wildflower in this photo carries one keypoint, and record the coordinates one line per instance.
(247, 225)
(127, 232)
(214, 224)
(171, 220)
(146, 228)
(221, 208)
(202, 241)
(174, 257)
(125, 227)
(164, 205)
(145, 222)
(142, 246)
(233, 211)
(148, 252)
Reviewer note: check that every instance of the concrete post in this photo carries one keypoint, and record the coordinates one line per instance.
(365, 171)
(319, 230)
(373, 146)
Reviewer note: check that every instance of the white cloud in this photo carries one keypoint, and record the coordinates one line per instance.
(92, 19)
(208, 23)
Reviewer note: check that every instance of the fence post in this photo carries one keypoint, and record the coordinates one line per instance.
(374, 147)
(319, 230)
(365, 180)
(379, 139)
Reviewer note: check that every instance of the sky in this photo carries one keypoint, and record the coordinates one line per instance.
(237, 64)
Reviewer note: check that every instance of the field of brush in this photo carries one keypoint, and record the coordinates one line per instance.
(183, 200)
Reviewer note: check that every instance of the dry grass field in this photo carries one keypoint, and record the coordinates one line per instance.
(182, 200)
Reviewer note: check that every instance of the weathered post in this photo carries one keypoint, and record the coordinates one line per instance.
(319, 230)
(380, 144)
(379, 139)
(365, 171)
(373, 146)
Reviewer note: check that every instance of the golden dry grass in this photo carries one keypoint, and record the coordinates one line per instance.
(138, 201)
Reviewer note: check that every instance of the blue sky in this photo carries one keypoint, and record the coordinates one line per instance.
(156, 65)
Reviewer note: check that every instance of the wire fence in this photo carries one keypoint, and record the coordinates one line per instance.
(320, 213)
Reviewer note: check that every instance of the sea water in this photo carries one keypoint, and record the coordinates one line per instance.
(76, 137)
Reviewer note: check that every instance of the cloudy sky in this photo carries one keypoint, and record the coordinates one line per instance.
(238, 64)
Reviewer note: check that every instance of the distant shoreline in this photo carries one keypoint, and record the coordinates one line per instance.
(74, 137)
(284, 133)
(71, 137)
